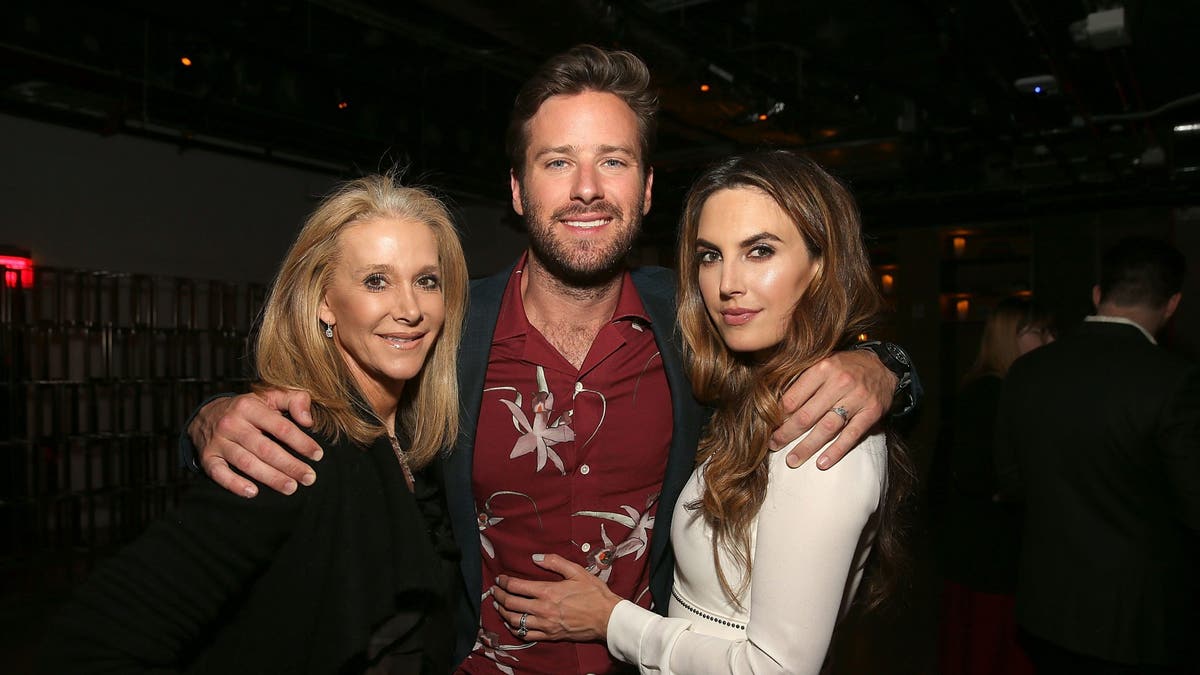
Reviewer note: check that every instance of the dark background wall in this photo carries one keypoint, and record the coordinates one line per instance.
(126, 204)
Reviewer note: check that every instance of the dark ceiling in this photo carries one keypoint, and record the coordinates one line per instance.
(913, 101)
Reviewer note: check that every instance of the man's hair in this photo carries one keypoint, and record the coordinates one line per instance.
(1141, 271)
(579, 69)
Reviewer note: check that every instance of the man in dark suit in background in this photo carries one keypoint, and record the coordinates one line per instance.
(1099, 433)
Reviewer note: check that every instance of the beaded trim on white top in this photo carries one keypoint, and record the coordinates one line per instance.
(705, 615)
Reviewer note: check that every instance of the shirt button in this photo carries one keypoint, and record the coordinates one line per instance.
(585, 469)
(586, 547)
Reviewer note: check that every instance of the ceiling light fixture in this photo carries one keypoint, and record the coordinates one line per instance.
(1038, 85)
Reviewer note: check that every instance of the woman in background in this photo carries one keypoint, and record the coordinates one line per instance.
(773, 277)
(351, 574)
(980, 535)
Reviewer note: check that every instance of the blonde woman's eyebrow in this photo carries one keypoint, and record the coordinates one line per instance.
(373, 269)
(384, 268)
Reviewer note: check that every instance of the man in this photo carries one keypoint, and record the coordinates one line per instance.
(580, 428)
(1101, 432)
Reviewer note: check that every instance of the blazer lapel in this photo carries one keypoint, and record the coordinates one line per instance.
(473, 353)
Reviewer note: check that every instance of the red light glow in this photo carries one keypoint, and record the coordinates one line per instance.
(705, 87)
(18, 271)
(187, 62)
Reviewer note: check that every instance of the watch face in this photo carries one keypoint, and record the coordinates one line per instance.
(897, 353)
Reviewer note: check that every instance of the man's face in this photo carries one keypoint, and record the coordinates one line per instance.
(583, 194)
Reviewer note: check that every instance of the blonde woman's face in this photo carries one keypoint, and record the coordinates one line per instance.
(1032, 337)
(385, 303)
(753, 267)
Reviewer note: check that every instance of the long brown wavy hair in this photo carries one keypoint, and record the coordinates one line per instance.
(841, 302)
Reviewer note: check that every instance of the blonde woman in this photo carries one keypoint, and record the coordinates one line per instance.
(773, 277)
(352, 573)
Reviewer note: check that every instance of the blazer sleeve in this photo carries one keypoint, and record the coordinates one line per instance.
(148, 608)
(808, 558)
(1179, 439)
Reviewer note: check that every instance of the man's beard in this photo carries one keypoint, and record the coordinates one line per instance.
(582, 264)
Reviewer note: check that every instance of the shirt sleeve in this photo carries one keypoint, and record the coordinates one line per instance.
(808, 558)
(147, 608)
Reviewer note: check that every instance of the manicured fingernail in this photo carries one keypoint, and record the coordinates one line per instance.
(823, 462)
(495, 605)
(308, 478)
(539, 557)
(793, 461)
(249, 491)
(289, 487)
(318, 455)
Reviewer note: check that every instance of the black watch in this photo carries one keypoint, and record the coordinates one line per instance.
(894, 358)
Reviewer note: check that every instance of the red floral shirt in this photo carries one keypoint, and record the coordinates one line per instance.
(570, 462)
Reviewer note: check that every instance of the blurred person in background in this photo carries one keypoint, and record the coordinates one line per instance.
(1098, 437)
(980, 536)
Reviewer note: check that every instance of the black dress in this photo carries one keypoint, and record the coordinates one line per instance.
(352, 574)
(981, 535)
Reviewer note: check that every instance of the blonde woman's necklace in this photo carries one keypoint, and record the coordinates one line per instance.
(403, 458)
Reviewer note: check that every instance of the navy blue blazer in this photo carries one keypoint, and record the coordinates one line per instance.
(656, 287)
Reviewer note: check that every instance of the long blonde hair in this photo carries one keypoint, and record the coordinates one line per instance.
(840, 302)
(292, 351)
(998, 344)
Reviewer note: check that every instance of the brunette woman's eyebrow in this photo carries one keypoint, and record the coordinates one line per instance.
(756, 238)
(745, 243)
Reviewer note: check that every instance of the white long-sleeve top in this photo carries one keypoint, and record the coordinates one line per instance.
(809, 543)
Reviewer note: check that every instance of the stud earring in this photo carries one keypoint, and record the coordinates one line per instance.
(329, 330)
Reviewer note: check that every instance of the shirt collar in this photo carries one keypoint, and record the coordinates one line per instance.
(513, 322)
(1100, 318)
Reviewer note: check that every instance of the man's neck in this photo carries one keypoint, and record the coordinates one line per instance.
(1151, 320)
(568, 316)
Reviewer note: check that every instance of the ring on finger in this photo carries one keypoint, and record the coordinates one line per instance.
(523, 630)
(842, 413)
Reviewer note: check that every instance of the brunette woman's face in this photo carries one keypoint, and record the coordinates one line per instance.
(385, 303)
(753, 267)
